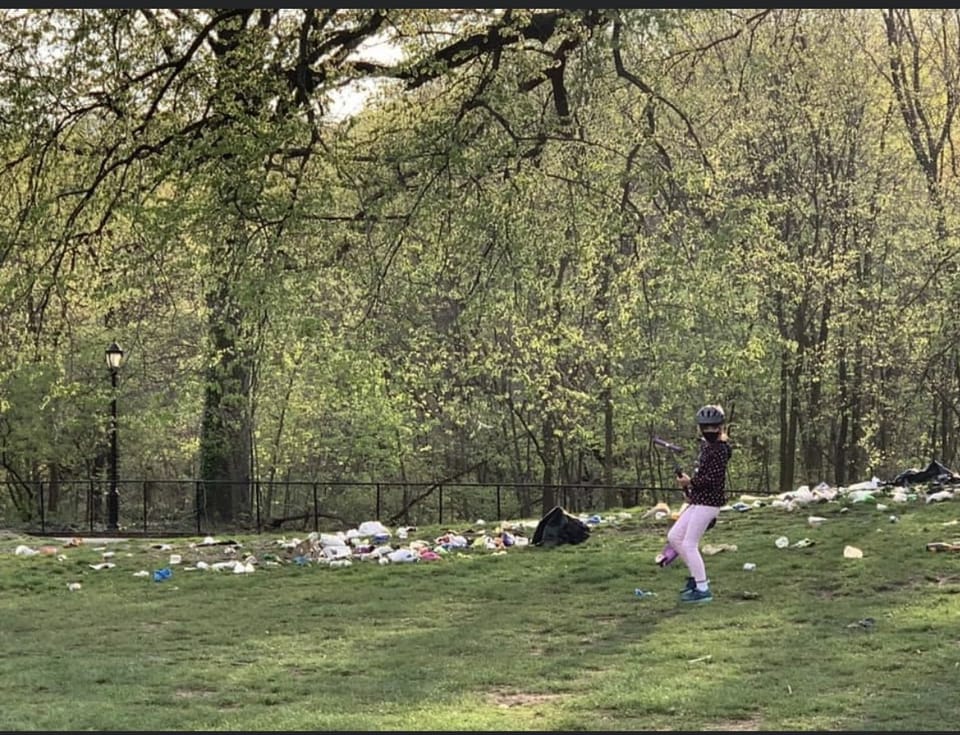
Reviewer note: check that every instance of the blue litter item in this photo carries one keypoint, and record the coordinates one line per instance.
(643, 593)
(301, 561)
(594, 519)
(161, 574)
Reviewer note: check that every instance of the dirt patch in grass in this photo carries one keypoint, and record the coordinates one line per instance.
(520, 699)
(750, 724)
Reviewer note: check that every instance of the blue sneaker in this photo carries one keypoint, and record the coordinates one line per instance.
(696, 595)
(690, 585)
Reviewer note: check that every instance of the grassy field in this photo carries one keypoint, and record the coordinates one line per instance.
(527, 639)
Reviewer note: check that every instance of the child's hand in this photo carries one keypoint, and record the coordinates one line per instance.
(683, 480)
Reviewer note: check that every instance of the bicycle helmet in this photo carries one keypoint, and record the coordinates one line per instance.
(710, 416)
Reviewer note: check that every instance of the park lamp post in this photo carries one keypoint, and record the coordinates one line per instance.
(114, 358)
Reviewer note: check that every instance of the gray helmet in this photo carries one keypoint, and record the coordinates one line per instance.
(709, 415)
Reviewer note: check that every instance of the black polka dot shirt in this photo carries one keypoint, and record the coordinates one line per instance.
(710, 477)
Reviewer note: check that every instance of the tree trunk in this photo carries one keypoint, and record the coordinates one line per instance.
(225, 446)
(549, 454)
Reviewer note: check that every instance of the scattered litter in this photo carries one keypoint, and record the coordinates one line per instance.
(852, 552)
(402, 555)
(175, 559)
(894, 519)
(749, 567)
(815, 521)
(658, 511)
(711, 549)
(746, 595)
(864, 623)
(803, 543)
(74, 586)
(943, 546)
(643, 593)
(102, 565)
(699, 660)
(211, 541)
(740, 507)
(161, 575)
(141, 573)
(22, 550)
(782, 542)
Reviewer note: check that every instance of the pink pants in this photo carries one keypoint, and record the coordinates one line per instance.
(685, 534)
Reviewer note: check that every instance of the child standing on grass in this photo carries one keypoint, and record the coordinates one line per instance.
(704, 492)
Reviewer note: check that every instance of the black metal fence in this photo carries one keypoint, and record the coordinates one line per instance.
(184, 507)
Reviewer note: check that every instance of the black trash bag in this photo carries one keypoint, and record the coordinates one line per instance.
(559, 527)
(935, 472)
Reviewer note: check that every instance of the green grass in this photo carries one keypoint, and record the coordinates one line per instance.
(532, 639)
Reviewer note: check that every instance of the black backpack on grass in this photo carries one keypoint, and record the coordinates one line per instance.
(559, 527)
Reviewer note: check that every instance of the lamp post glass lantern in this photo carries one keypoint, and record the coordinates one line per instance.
(114, 358)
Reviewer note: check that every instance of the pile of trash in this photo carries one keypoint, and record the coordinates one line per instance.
(372, 541)
(910, 485)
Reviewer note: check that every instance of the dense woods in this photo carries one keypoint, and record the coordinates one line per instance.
(544, 237)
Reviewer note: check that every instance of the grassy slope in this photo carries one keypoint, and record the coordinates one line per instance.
(531, 639)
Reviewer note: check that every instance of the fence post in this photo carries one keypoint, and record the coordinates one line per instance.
(499, 512)
(257, 496)
(316, 509)
(440, 511)
(197, 502)
(378, 501)
(144, 490)
(43, 520)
